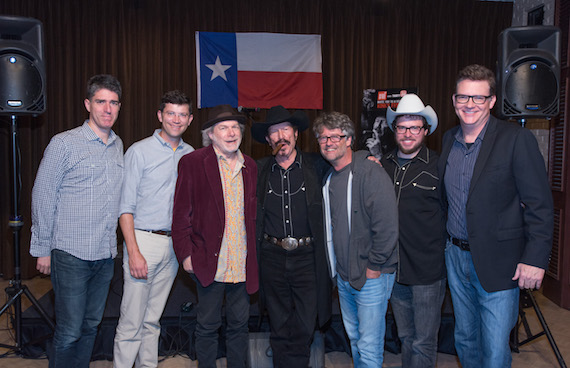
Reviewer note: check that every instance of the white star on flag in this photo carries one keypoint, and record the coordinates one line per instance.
(218, 69)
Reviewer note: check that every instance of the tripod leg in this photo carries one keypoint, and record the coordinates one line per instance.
(38, 307)
(514, 340)
(11, 301)
(546, 330)
(15, 299)
(525, 324)
(15, 293)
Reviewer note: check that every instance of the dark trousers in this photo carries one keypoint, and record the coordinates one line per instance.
(209, 321)
(289, 285)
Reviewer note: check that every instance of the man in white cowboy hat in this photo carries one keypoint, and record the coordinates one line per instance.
(295, 287)
(420, 281)
(213, 233)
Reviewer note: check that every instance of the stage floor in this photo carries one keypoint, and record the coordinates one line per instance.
(535, 354)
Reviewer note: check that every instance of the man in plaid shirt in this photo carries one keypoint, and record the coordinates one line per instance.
(75, 206)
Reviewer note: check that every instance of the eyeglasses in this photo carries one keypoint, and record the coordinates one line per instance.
(478, 100)
(415, 130)
(333, 138)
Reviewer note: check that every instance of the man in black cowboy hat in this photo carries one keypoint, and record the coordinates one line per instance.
(294, 278)
(213, 233)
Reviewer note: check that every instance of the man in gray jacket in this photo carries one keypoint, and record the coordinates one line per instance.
(361, 225)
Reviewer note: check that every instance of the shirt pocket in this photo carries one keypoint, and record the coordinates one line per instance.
(425, 181)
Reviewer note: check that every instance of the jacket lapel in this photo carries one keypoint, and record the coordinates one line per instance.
(484, 153)
(215, 182)
(310, 176)
(448, 140)
(247, 183)
(264, 178)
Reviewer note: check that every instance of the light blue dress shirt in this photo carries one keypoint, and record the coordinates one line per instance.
(151, 170)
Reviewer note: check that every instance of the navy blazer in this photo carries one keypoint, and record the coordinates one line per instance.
(509, 206)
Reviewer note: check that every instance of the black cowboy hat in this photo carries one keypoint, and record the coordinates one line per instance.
(222, 113)
(279, 114)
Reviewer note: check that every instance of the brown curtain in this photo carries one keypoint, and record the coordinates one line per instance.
(149, 46)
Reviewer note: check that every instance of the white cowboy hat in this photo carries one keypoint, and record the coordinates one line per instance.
(411, 104)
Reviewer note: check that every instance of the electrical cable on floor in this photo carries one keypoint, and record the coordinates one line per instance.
(176, 342)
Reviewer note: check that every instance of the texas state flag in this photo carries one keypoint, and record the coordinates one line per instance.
(259, 70)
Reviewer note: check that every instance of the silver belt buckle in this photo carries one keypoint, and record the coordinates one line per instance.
(289, 243)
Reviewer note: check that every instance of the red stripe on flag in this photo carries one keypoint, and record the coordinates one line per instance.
(292, 90)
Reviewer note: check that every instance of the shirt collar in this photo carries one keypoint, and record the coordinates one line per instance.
(480, 137)
(92, 136)
(298, 161)
(156, 134)
(423, 155)
(240, 163)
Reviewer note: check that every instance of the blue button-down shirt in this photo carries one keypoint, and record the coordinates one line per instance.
(75, 199)
(151, 170)
(457, 180)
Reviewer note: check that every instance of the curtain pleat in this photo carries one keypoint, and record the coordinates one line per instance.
(149, 46)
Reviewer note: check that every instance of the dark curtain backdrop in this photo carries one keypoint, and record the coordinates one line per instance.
(149, 45)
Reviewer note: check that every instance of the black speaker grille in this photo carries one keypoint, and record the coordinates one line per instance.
(531, 88)
(510, 110)
(22, 88)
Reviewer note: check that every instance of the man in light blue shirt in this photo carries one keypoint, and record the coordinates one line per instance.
(149, 263)
(75, 205)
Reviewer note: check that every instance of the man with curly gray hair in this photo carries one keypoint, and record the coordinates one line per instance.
(361, 226)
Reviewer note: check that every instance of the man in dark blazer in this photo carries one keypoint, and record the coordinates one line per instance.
(295, 286)
(213, 234)
(499, 220)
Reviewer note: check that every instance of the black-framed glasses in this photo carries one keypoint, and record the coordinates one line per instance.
(415, 130)
(478, 99)
(334, 138)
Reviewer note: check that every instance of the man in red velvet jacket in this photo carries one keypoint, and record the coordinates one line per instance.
(213, 233)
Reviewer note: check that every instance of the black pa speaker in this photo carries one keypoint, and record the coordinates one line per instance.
(22, 71)
(528, 75)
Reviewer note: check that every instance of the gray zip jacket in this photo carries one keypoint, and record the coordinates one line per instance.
(373, 220)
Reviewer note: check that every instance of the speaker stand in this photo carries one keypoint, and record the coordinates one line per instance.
(526, 296)
(16, 288)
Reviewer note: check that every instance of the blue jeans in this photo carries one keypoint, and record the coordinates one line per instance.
(209, 321)
(364, 318)
(81, 289)
(417, 311)
(483, 320)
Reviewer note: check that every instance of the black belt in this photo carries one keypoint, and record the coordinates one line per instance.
(288, 243)
(462, 244)
(159, 232)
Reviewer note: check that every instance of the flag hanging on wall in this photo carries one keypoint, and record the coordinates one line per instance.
(259, 70)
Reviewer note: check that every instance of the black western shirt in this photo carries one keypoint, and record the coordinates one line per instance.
(421, 217)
